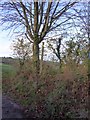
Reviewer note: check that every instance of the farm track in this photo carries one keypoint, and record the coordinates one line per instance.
(10, 109)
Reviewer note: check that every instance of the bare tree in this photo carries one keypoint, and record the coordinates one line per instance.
(35, 20)
(21, 50)
(55, 46)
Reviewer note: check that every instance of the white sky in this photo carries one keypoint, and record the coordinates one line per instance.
(5, 43)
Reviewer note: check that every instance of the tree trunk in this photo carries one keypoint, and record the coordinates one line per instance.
(36, 66)
(36, 61)
(42, 53)
(60, 65)
(89, 80)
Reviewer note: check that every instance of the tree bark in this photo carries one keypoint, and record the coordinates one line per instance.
(42, 53)
(36, 61)
(60, 65)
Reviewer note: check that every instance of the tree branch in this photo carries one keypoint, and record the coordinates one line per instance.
(35, 18)
(28, 30)
(63, 10)
(45, 26)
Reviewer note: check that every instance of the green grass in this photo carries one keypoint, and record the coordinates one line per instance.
(8, 71)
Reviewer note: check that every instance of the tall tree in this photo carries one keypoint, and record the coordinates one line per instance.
(89, 55)
(35, 20)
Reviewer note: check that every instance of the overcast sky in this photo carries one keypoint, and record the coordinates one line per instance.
(5, 43)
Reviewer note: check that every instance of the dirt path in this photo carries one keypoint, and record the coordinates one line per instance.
(10, 109)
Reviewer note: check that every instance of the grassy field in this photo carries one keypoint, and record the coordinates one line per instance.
(8, 72)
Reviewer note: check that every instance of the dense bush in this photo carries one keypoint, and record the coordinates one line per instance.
(57, 94)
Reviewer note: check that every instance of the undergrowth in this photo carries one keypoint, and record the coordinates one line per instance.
(56, 95)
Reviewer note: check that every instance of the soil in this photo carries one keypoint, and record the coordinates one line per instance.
(10, 109)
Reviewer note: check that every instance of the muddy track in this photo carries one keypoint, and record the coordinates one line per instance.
(10, 109)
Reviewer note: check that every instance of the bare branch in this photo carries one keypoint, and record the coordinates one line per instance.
(45, 26)
(35, 17)
(26, 20)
